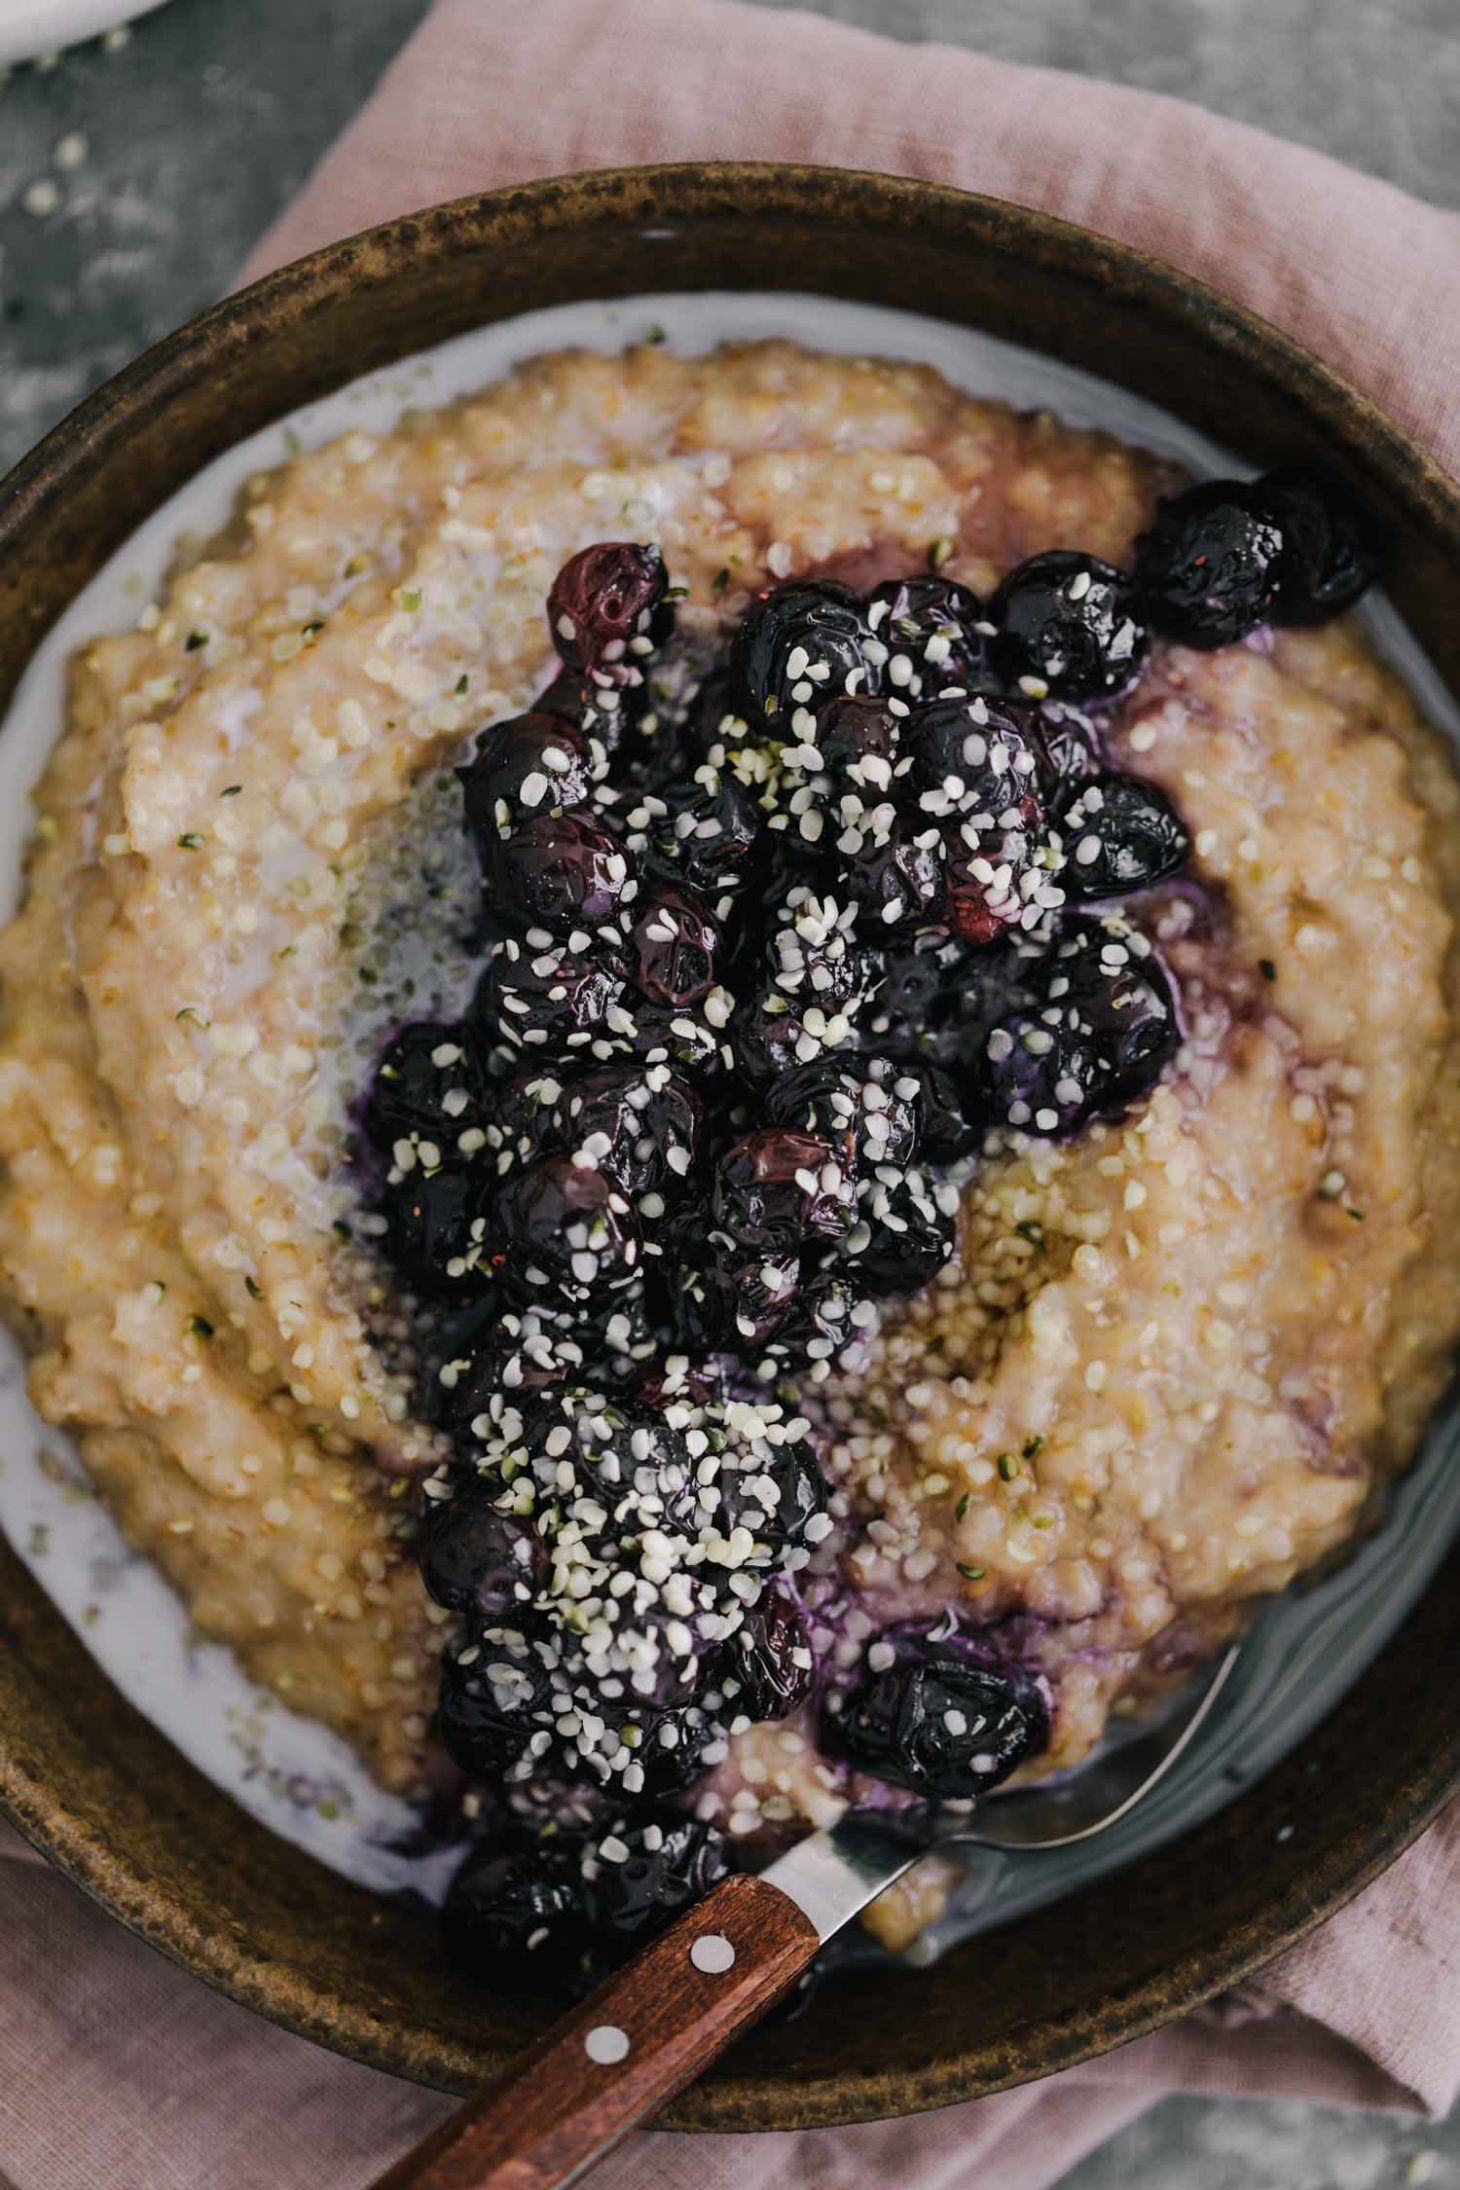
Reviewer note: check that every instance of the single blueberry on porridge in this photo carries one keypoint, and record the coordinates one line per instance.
(729, 1087)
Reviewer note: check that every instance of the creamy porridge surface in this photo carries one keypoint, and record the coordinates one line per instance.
(1175, 1355)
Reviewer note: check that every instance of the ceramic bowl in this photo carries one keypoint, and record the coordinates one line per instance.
(92, 1782)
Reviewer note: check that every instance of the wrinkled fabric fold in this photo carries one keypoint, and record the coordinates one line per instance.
(115, 2068)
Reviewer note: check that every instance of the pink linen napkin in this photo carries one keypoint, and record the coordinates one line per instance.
(117, 2069)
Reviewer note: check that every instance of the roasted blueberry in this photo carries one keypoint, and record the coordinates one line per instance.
(895, 877)
(950, 1122)
(1000, 878)
(521, 1124)
(770, 1036)
(859, 739)
(552, 999)
(973, 758)
(430, 1086)
(1209, 567)
(674, 943)
(597, 711)
(515, 1915)
(607, 609)
(1068, 625)
(645, 1869)
(711, 837)
(1069, 747)
(495, 1692)
(518, 1351)
(820, 1324)
(621, 1455)
(472, 1557)
(800, 644)
(903, 1234)
(438, 1227)
(731, 1300)
(814, 955)
(641, 1126)
(869, 1102)
(532, 764)
(947, 1719)
(681, 1036)
(779, 1493)
(918, 1009)
(565, 871)
(1330, 551)
(567, 1232)
(1098, 1030)
(1120, 834)
(775, 1189)
(768, 1666)
(932, 624)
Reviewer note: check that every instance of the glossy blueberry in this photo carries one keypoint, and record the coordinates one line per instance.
(532, 764)
(644, 1869)
(988, 871)
(819, 1325)
(950, 1121)
(431, 1084)
(607, 608)
(768, 1666)
(712, 837)
(859, 739)
(494, 1693)
(769, 1035)
(902, 1236)
(871, 1102)
(781, 1496)
(1069, 624)
(515, 1915)
(896, 878)
(775, 1189)
(680, 1036)
(1330, 552)
(933, 624)
(674, 945)
(439, 1228)
(731, 1300)
(948, 1719)
(1208, 568)
(641, 1126)
(567, 1233)
(1120, 834)
(473, 1558)
(815, 957)
(975, 758)
(800, 644)
(1068, 747)
(1099, 1028)
(548, 999)
(563, 871)
(521, 1125)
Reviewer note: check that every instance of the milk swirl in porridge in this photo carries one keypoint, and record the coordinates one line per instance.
(910, 1176)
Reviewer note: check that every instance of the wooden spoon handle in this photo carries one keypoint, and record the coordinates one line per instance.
(594, 2076)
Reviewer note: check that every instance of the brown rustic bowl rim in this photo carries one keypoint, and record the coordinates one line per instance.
(87, 437)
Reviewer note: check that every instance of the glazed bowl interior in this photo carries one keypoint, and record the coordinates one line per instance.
(91, 1780)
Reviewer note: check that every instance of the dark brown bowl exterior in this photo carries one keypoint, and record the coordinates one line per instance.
(91, 1781)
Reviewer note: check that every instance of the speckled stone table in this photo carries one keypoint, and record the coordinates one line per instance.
(136, 171)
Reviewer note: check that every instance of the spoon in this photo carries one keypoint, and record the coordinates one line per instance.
(611, 2063)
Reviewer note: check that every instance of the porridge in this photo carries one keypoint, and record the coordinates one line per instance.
(916, 1191)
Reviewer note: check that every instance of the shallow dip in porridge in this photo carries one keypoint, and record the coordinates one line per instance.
(896, 1174)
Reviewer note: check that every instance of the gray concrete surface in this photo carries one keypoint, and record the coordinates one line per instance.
(133, 177)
